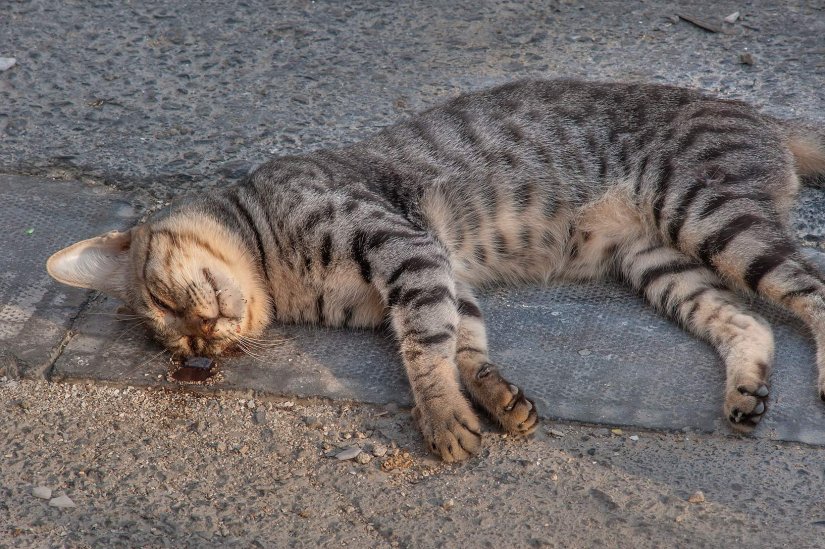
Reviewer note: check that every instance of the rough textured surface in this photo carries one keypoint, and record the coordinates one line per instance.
(160, 98)
(37, 218)
(169, 96)
(153, 468)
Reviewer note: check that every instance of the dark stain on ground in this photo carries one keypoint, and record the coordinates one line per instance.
(195, 369)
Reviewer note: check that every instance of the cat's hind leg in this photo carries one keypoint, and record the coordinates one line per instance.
(696, 297)
(612, 236)
(502, 400)
(690, 293)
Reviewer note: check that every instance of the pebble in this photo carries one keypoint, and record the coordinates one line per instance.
(6, 63)
(42, 492)
(379, 450)
(62, 502)
(260, 416)
(449, 504)
(584, 352)
(349, 453)
(251, 404)
(555, 432)
(312, 422)
(746, 58)
(363, 458)
(732, 18)
(616, 431)
(634, 438)
(697, 497)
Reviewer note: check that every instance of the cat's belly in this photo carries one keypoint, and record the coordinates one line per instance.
(574, 245)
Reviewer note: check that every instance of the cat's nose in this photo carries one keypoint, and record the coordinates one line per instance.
(207, 325)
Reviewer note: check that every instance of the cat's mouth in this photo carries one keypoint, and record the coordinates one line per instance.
(191, 346)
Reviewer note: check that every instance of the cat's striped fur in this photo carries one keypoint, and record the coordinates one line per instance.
(683, 196)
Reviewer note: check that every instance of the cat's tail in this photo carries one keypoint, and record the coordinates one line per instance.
(807, 143)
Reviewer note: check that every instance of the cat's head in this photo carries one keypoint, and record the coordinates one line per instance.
(192, 280)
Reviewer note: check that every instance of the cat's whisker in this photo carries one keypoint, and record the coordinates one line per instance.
(117, 316)
(152, 358)
(129, 330)
(249, 352)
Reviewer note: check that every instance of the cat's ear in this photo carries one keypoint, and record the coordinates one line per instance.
(99, 263)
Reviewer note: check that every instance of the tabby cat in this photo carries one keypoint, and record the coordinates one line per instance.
(683, 196)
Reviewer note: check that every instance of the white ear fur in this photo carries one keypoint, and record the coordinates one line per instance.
(98, 263)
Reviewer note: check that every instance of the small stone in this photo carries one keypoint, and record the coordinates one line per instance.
(554, 477)
(287, 404)
(732, 18)
(616, 431)
(6, 63)
(259, 417)
(601, 432)
(62, 502)
(363, 458)
(244, 450)
(349, 453)
(312, 422)
(591, 452)
(746, 58)
(379, 450)
(584, 352)
(221, 447)
(697, 497)
(634, 438)
(449, 504)
(555, 432)
(251, 404)
(42, 492)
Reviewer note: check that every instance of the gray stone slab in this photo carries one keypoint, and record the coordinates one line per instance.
(38, 217)
(594, 353)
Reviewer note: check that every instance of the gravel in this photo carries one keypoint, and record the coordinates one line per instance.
(140, 475)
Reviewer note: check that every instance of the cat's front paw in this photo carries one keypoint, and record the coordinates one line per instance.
(504, 401)
(745, 404)
(450, 429)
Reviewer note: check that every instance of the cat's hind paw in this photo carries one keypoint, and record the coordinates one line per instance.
(745, 405)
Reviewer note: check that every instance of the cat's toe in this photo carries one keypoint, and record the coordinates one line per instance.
(519, 415)
(746, 405)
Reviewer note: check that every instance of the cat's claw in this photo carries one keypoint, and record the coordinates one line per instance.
(746, 405)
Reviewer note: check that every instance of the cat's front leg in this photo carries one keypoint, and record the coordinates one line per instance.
(503, 401)
(414, 276)
(425, 318)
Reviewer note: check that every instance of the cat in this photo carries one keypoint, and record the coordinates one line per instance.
(683, 196)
